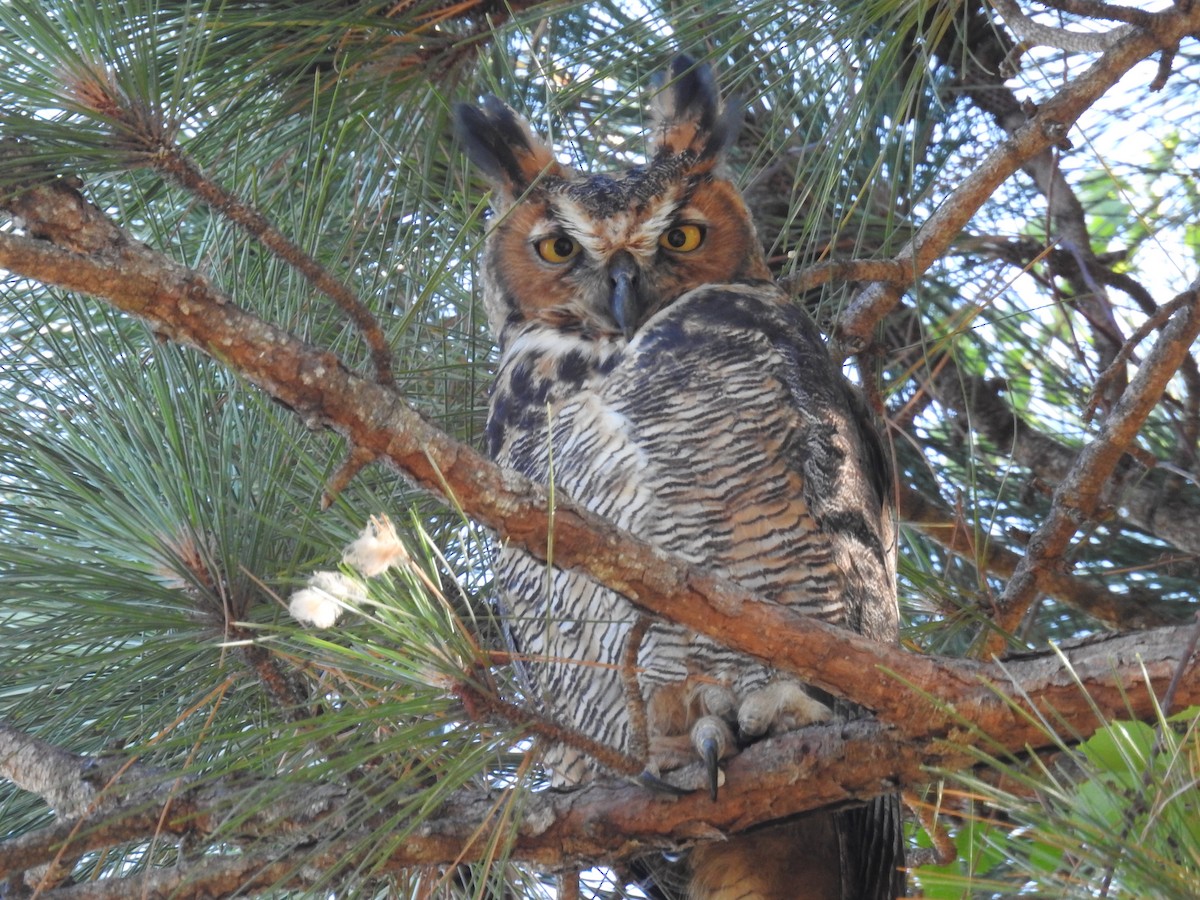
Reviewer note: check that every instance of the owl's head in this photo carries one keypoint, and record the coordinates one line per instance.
(603, 253)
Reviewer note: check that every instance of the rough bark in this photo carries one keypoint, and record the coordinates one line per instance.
(611, 820)
(930, 711)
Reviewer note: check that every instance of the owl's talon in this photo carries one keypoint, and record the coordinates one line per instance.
(711, 754)
(654, 782)
(713, 740)
(779, 707)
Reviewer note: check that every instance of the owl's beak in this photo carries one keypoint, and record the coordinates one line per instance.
(627, 301)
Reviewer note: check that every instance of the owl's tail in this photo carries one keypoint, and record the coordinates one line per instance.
(857, 854)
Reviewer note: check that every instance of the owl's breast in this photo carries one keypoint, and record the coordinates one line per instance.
(693, 442)
(541, 370)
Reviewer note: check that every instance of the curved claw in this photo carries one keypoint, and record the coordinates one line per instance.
(710, 751)
(652, 781)
(713, 740)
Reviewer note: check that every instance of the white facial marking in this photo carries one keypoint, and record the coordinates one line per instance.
(601, 238)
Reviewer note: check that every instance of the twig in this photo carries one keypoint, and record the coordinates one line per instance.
(1095, 10)
(943, 852)
(149, 140)
(1165, 61)
(172, 162)
(814, 276)
(1077, 497)
(568, 885)
(639, 732)
(1159, 318)
(356, 460)
(1168, 700)
(1036, 34)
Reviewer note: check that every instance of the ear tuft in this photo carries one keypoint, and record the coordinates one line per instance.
(502, 146)
(688, 113)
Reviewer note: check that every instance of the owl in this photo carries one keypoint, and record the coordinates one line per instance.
(651, 371)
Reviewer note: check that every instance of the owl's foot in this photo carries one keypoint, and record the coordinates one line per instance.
(780, 707)
(691, 718)
(700, 718)
(713, 739)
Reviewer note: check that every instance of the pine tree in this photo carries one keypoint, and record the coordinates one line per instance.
(247, 640)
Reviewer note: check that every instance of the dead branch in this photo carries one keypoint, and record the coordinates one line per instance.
(1035, 33)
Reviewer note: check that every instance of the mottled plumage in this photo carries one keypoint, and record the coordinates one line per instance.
(652, 371)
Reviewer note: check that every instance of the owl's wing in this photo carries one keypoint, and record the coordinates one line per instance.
(848, 487)
(754, 457)
(848, 480)
(761, 460)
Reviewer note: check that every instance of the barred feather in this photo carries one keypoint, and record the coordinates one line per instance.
(692, 437)
(700, 411)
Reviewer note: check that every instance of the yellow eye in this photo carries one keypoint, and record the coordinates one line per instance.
(682, 238)
(558, 249)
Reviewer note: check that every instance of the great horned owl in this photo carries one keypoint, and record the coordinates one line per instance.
(652, 371)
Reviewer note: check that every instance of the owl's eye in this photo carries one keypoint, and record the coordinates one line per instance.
(558, 249)
(682, 238)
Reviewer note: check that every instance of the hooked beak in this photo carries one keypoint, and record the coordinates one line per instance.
(626, 302)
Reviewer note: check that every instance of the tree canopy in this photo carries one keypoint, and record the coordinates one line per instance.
(242, 344)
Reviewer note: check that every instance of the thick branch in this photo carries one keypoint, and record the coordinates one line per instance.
(818, 767)
(179, 304)
(43, 769)
(227, 876)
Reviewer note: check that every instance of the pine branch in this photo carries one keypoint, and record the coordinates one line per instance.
(1046, 128)
(170, 160)
(180, 305)
(611, 819)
